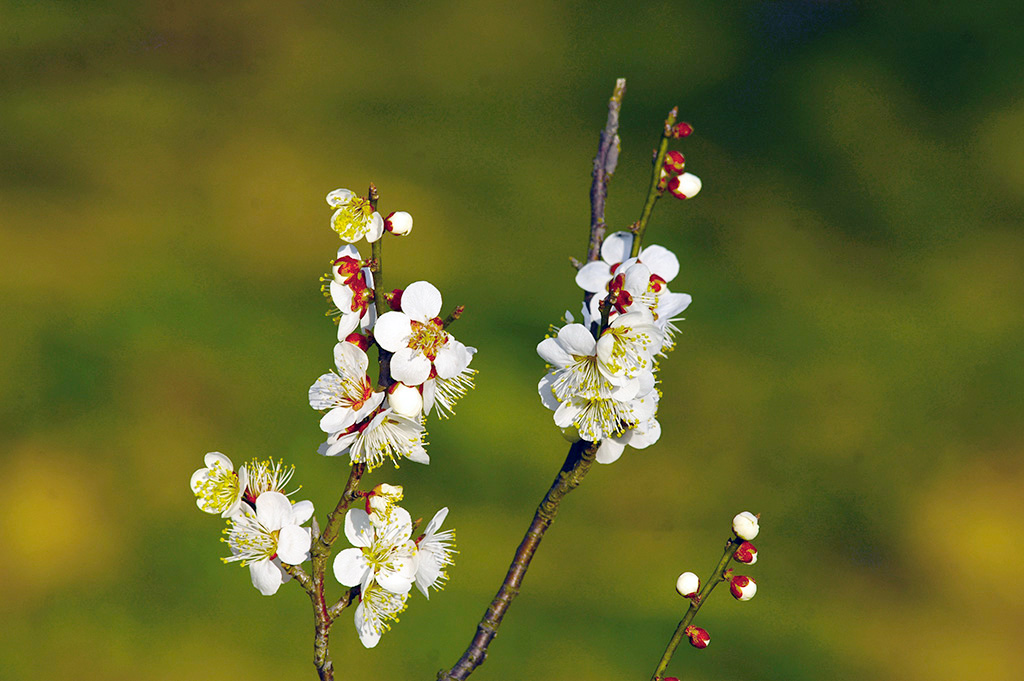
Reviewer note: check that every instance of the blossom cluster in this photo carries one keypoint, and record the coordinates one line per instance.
(601, 381)
(264, 526)
(383, 420)
(385, 561)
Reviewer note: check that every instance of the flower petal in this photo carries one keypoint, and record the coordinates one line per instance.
(421, 301)
(452, 358)
(392, 330)
(436, 521)
(616, 247)
(358, 529)
(350, 567)
(609, 451)
(552, 352)
(339, 197)
(273, 510)
(369, 635)
(293, 544)
(409, 366)
(576, 339)
(350, 360)
(337, 419)
(266, 577)
(660, 261)
(375, 229)
(547, 393)
(594, 277)
(302, 511)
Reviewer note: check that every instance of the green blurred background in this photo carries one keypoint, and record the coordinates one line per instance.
(850, 367)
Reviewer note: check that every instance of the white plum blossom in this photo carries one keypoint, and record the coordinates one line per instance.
(416, 335)
(638, 289)
(435, 554)
(628, 345)
(268, 476)
(377, 608)
(218, 487)
(383, 553)
(644, 431)
(348, 394)
(385, 436)
(264, 539)
(354, 217)
(687, 584)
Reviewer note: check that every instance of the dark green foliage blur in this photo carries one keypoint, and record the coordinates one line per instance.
(851, 366)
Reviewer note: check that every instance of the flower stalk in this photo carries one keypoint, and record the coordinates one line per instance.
(655, 191)
(717, 577)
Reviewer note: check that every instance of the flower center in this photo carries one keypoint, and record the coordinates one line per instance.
(220, 489)
(350, 220)
(428, 337)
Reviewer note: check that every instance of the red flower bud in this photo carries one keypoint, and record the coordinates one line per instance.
(394, 299)
(674, 162)
(358, 339)
(681, 130)
(743, 588)
(746, 553)
(699, 638)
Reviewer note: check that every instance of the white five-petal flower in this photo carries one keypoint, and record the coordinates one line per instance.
(272, 532)
(416, 335)
(354, 217)
(218, 487)
(347, 394)
(386, 436)
(384, 552)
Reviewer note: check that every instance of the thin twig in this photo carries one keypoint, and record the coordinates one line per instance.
(656, 188)
(604, 166)
(577, 463)
(714, 580)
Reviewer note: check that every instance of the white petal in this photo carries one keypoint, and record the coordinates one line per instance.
(660, 261)
(350, 567)
(302, 511)
(452, 358)
(348, 250)
(369, 636)
(421, 301)
(213, 458)
(609, 451)
(552, 352)
(594, 277)
(547, 394)
(566, 414)
(375, 229)
(273, 510)
(616, 247)
(266, 577)
(637, 278)
(393, 330)
(436, 521)
(201, 475)
(429, 386)
(671, 304)
(350, 360)
(339, 197)
(418, 455)
(410, 366)
(337, 419)
(400, 579)
(293, 544)
(358, 529)
(577, 340)
(347, 323)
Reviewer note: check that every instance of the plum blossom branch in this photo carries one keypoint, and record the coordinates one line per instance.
(577, 463)
(656, 189)
(604, 167)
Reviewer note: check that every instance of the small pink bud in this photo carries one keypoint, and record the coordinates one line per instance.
(745, 525)
(674, 162)
(743, 588)
(681, 130)
(398, 223)
(687, 585)
(699, 638)
(746, 553)
(684, 186)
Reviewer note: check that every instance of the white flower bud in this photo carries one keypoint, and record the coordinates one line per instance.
(684, 186)
(743, 588)
(405, 400)
(745, 525)
(398, 223)
(687, 584)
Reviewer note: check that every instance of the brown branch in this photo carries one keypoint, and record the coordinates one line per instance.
(577, 463)
(604, 166)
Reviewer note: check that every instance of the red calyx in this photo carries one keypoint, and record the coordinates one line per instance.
(395, 299)
(674, 162)
(681, 130)
(358, 339)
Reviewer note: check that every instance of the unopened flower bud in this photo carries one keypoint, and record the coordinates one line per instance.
(687, 585)
(684, 186)
(699, 638)
(405, 400)
(394, 299)
(398, 223)
(742, 587)
(358, 339)
(745, 525)
(674, 162)
(681, 130)
(746, 553)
